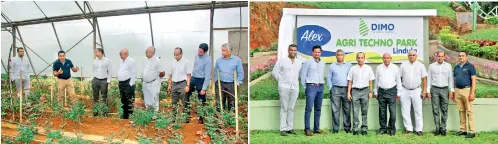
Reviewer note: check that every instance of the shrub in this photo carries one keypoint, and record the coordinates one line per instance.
(493, 20)
(77, 112)
(142, 117)
(100, 109)
(26, 133)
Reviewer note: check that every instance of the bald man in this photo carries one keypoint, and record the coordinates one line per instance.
(387, 90)
(127, 75)
(152, 74)
(412, 74)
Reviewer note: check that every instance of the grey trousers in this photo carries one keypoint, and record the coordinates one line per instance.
(288, 98)
(360, 100)
(439, 102)
(226, 99)
(25, 86)
(178, 92)
(339, 97)
(99, 87)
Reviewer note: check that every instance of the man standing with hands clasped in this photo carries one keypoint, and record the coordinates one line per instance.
(387, 90)
(412, 73)
(439, 79)
(360, 79)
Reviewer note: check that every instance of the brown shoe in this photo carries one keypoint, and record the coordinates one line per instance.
(317, 132)
(308, 133)
(407, 132)
(419, 133)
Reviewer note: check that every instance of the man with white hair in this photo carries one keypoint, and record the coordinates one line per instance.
(227, 64)
(152, 74)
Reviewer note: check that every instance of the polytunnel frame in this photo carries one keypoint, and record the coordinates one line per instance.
(88, 13)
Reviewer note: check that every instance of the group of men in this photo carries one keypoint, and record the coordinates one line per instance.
(183, 79)
(409, 83)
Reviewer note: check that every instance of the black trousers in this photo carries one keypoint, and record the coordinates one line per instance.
(127, 94)
(196, 84)
(387, 99)
(227, 99)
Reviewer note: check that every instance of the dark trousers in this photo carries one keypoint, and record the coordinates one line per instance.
(127, 94)
(314, 98)
(440, 102)
(226, 99)
(99, 87)
(196, 85)
(338, 98)
(387, 99)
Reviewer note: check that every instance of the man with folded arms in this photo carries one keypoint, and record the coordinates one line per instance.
(360, 79)
(387, 90)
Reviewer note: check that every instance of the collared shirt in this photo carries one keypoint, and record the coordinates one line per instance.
(19, 65)
(66, 68)
(463, 74)
(338, 74)
(102, 68)
(179, 70)
(286, 72)
(127, 70)
(387, 77)
(361, 76)
(152, 69)
(439, 75)
(412, 74)
(202, 69)
(312, 72)
(227, 68)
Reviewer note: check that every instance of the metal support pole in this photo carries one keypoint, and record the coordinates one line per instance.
(474, 15)
(83, 11)
(100, 36)
(27, 54)
(211, 52)
(14, 29)
(151, 32)
(56, 36)
(94, 36)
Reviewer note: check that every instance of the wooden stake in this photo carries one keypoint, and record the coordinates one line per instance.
(21, 88)
(65, 100)
(81, 82)
(51, 92)
(236, 104)
(219, 91)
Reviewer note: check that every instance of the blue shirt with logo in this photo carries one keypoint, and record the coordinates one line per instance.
(463, 74)
(66, 68)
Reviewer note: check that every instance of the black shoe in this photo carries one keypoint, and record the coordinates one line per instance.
(187, 121)
(443, 132)
(407, 132)
(436, 132)
(355, 132)
(363, 132)
(470, 135)
(419, 133)
(381, 132)
(201, 121)
(283, 133)
(392, 133)
(317, 132)
(95, 114)
(347, 131)
(291, 132)
(461, 133)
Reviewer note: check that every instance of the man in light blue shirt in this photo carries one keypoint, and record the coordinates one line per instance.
(338, 85)
(227, 64)
(312, 80)
(201, 75)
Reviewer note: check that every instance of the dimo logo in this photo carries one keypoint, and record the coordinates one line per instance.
(375, 27)
(311, 35)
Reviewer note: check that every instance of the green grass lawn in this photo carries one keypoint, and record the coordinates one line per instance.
(267, 90)
(443, 8)
(483, 34)
(342, 137)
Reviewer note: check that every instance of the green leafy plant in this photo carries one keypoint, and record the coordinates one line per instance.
(176, 138)
(100, 109)
(162, 120)
(142, 117)
(144, 140)
(228, 119)
(53, 135)
(77, 112)
(26, 133)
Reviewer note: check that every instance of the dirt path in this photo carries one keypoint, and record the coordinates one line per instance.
(193, 131)
(261, 59)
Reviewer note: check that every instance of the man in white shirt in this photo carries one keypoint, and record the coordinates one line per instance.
(101, 77)
(439, 79)
(152, 74)
(20, 64)
(360, 79)
(179, 79)
(387, 90)
(412, 74)
(286, 72)
(127, 75)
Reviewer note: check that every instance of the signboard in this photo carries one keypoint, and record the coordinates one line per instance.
(373, 35)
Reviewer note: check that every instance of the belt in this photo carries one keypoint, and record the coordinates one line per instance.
(386, 89)
(341, 86)
(179, 82)
(445, 87)
(151, 81)
(100, 79)
(462, 87)
(411, 89)
(313, 84)
(125, 80)
(64, 78)
(360, 88)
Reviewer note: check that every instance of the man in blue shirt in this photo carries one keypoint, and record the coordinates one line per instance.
(201, 75)
(227, 64)
(61, 71)
(338, 85)
(465, 86)
(312, 79)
